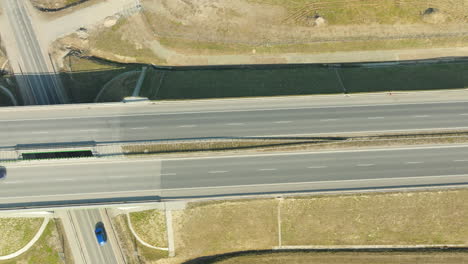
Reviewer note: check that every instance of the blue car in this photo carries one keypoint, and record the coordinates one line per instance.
(2, 172)
(100, 234)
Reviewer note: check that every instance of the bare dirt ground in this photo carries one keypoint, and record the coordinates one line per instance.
(181, 32)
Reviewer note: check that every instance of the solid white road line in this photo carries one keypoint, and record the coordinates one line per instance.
(40, 132)
(420, 116)
(271, 169)
(13, 182)
(118, 177)
(139, 128)
(282, 122)
(364, 165)
(317, 167)
(64, 180)
(168, 174)
(235, 124)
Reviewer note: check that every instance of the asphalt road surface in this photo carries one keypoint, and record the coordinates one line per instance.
(34, 72)
(203, 177)
(85, 221)
(219, 123)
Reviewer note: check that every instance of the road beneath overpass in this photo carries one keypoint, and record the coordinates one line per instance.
(171, 122)
(34, 72)
(33, 182)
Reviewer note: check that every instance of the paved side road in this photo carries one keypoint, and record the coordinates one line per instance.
(29, 59)
(79, 226)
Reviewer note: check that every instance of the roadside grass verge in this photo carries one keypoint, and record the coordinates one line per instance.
(157, 234)
(135, 252)
(392, 218)
(45, 250)
(361, 258)
(17, 232)
(195, 47)
(425, 218)
(114, 46)
(218, 227)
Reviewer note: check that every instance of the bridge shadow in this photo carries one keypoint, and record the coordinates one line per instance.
(89, 80)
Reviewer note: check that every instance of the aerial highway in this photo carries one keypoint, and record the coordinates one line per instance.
(175, 121)
(30, 183)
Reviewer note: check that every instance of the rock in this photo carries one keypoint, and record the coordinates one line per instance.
(110, 21)
(319, 21)
(82, 33)
(433, 16)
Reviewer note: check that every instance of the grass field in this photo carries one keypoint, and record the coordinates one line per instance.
(354, 258)
(346, 12)
(157, 234)
(17, 232)
(211, 228)
(45, 250)
(377, 219)
(406, 218)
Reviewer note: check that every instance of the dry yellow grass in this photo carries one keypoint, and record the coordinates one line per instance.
(377, 219)
(211, 228)
(361, 258)
(272, 145)
(156, 234)
(406, 218)
(15, 233)
(135, 253)
(45, 250)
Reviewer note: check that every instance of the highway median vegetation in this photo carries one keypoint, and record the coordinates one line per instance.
(251, 145)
